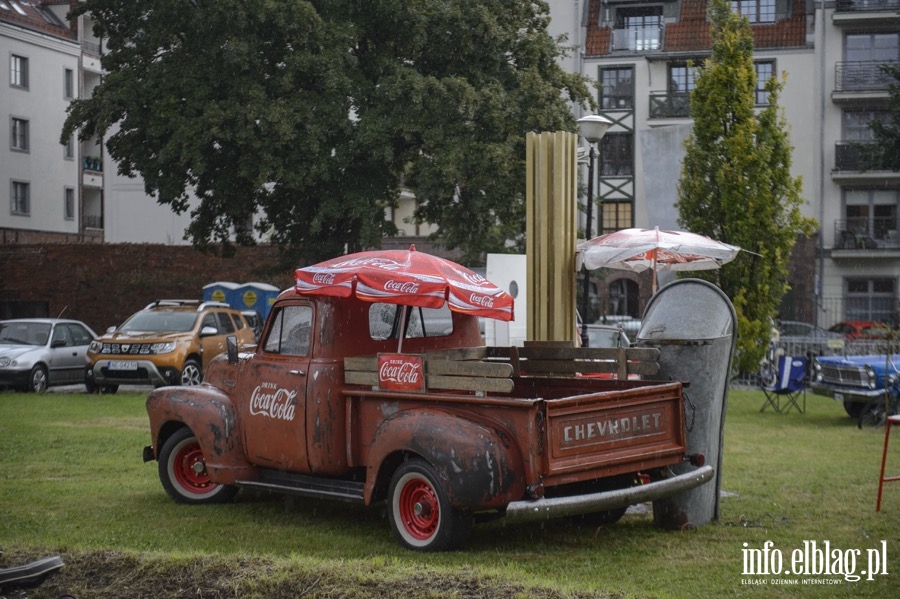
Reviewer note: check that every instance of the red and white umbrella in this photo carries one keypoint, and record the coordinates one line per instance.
(408, 278)
(641, 249)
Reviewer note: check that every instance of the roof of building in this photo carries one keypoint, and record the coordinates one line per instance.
(35, 16)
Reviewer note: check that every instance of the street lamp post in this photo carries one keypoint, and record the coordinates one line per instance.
(593, 127)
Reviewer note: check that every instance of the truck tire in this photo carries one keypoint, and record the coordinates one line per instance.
(419, 510)
(182, 471)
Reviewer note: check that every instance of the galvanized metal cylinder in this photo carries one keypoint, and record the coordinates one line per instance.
(695, 327)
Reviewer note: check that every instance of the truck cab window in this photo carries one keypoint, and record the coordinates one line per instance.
(384, 321)
(290, 331)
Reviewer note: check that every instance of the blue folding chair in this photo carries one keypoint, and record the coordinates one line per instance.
(787, 385)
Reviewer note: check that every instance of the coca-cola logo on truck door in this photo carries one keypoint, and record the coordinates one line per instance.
(401, 372)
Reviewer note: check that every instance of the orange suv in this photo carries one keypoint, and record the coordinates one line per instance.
(170, 342)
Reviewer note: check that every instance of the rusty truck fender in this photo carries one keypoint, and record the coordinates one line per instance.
(211, 416)
(479, 463)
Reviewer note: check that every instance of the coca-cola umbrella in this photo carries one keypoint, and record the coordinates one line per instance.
(641, 249)
(407, 278)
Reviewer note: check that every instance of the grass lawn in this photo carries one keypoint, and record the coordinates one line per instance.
(72, 482)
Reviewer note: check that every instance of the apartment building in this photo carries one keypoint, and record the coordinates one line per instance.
(643, 56)
(39, 68)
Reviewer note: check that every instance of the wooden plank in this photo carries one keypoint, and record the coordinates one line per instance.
(462, 353)
(550, 344)
(365, 363)
(361, 378)
(642, 354)
(434, 381)
(469, 368)
(469, 383)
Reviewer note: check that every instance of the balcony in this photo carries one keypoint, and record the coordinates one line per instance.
(863, 13)
(872, 237)
(862, 80)
(670, 105)
(92, 222)
(852, 165)
(638, 39)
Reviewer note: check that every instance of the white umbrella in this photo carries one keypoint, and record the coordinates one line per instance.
(641, 249)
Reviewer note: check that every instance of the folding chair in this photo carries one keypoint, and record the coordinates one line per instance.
(788, 385)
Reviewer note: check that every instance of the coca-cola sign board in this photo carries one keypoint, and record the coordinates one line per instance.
(401, 372)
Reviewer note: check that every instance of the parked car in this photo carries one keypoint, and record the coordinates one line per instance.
(797, 338)
(169, 342)
(607, 335)
(254, 320)
(867, 386)
(38, 353)
(629, 324)
(860, 329)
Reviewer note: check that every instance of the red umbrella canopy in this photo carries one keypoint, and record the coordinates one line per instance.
(406, 277)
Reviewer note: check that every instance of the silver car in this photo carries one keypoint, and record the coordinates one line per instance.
(38, 353)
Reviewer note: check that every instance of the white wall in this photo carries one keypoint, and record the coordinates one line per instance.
(43, 105)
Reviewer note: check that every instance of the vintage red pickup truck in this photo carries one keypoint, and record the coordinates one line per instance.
(447, 433)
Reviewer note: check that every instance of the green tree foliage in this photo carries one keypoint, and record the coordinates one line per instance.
(884, 152)
(736, 184)
(318, 112)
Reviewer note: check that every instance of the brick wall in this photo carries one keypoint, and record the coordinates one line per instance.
(103, 284)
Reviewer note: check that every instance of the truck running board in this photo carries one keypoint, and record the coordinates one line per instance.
(308, 486)
(543, 509)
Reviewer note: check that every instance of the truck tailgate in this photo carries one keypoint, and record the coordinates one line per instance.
(614, 432)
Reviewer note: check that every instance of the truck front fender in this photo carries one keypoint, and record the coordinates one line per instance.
(211, 416)
(480, 464)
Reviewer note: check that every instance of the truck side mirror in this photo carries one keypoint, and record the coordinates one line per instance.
(231, 348)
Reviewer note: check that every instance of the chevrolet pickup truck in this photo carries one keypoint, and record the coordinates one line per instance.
(446, 433)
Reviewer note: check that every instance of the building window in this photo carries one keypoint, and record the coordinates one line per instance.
(68, 84)
(18, 135)
(69, 203)
(21, 204)
(638, 29)
(871, 299)
(617, 88)
(617, 155)
(765, 70)
(614, 216)
(69, 149)
(756, 11)
(18, 71)
(870, 215)
(874, 47)
(856, 123)
(682, 78)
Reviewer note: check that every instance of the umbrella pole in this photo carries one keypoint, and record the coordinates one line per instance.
(402, 330)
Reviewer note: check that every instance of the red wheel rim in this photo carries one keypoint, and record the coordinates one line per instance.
(190, 469)
(419, 509)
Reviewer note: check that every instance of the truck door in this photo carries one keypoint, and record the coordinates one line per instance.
(273, 391)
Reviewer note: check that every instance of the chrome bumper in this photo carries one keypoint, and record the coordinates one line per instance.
(844, 393)
(543, 509)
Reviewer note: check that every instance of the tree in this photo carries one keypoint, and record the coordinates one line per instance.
(884, 151)
(317, 113)
(736, 185)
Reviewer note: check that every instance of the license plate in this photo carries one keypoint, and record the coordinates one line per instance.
(122, 365)
(839, 396)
